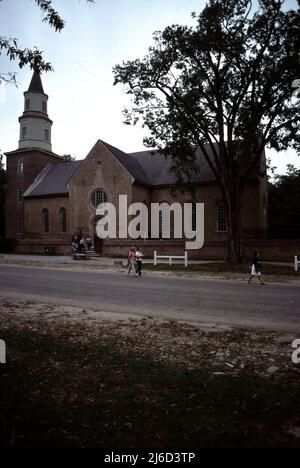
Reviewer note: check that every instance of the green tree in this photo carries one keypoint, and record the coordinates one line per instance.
(226, 83)
(32, 57)
(68, 158)
(284, 205)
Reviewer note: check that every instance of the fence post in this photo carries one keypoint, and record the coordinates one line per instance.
(2, 352)
(186, 259)
(296, 263)
(155, 258)
(170, 261)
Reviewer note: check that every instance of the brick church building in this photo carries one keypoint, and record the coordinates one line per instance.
(49, 200)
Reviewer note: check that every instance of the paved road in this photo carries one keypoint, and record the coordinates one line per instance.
(188, 299)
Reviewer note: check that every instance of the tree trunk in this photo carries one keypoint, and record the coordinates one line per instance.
(234, 222)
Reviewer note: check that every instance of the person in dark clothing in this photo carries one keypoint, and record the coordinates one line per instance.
(256, 269)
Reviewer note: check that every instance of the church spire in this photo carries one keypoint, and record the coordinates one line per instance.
(35, 125)
(36, 85)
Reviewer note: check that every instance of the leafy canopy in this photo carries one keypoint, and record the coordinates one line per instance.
(226, 82)
(32, 57)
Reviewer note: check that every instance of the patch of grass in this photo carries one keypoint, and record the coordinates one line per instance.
(64, 386)
(222, 267)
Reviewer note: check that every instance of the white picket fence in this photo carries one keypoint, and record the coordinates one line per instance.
(297, 263)
(171, 258)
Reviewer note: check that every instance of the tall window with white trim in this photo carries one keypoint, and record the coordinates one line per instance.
(45, 221)
(63, 220)
(220, 216)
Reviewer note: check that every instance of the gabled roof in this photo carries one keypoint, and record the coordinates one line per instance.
(153, 169)
(53, 180)
(158, 168)
(148, 168)
(131, 164)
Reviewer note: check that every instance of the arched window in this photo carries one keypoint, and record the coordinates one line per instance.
(63, 220)
(45, 221)
(220, 216)
(98, 197)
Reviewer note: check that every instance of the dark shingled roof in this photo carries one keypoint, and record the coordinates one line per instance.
(36, 85)
(53, 180)
(147, 168)
(158, 168)
(153, 168)
(131, 164)
(28, 150)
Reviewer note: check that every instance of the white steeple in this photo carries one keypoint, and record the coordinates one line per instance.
(35, 125)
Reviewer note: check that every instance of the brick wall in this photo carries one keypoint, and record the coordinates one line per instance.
(100, 170)
(33, 219)
(34, 162)
(273, 250)
(270, 250)
(46, 247)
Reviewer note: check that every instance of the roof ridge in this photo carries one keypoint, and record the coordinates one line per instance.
(53, 180)
(126, 160)
(39, 178)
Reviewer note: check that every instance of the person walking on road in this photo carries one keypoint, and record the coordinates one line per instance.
(256, 269)
(131, 262)
(139, 261)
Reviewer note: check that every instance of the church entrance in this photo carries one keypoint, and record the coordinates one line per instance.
(98, 243)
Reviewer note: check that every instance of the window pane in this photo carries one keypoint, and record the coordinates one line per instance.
(99, 197)
(63, 220)
(20, 196)
(24, 132)
(20, 225)
(220, 216)
(20, 166)
(45, 221)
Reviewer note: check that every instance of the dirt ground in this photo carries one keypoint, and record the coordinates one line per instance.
(80, 378)
(219, 348)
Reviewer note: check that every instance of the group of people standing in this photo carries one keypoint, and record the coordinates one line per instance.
(81, 244)
(135, 261)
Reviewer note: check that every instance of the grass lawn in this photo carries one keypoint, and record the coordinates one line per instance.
(66, 385)
(225, 268)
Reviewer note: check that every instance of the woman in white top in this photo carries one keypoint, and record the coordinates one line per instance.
(138, 258)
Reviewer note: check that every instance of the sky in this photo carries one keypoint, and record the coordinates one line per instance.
(83, 103)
